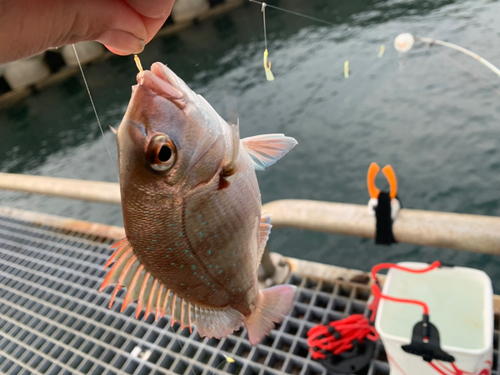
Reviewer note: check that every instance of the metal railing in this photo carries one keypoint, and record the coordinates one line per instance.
(474, 233)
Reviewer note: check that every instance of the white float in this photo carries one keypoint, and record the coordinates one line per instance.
(87, 52)
(27, 72)
(404, 42)
(187, 10)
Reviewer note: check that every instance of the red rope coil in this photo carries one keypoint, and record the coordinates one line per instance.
(340, 336)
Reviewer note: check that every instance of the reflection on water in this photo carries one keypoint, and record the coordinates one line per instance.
(436, 122)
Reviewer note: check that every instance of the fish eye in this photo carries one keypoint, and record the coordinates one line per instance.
(165, 154)
(161, 153)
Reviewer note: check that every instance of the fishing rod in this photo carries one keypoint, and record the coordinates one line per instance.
(404, 42)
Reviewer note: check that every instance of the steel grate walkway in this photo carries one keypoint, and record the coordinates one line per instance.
(53, 320)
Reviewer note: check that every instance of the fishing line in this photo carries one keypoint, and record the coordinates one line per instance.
(459, 65)
(227, 359)
(263, 10)
(291, 12)
(267, 66)
(93, 107)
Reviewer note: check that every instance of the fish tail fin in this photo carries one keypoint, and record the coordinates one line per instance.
(274, 304)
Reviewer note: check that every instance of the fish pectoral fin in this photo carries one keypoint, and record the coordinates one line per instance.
(273, 305)
(267, 149)
(264, 231)
(229, 170)
(213, 322)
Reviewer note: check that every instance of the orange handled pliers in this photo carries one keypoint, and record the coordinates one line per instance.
(388, 173)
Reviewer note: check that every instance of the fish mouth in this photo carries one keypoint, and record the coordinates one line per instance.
(162, 81)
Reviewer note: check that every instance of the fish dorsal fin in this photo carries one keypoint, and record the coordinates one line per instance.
(264, 231)
(267, 149)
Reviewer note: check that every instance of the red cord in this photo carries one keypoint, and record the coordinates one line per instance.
(377, 292)
(338, 336)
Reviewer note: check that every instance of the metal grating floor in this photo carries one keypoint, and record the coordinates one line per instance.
(53, 320)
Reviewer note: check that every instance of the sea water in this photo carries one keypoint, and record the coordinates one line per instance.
(456, 300)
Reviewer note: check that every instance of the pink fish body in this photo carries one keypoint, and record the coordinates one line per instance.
(192, 213)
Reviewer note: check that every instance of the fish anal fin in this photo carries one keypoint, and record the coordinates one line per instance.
(142, 297)
(182, 314)
(189, 318)
(118, 287)
(154, 296)
(158, 302)
(267, 149)
(172, 313)
(151, 299)
(273, 305)
(120, 246)
(216, 323)
(120, 243)
(132, 292)
(114, 274)
(165, 303)
(264, 231)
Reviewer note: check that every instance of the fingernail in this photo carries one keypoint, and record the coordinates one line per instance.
(121, 42)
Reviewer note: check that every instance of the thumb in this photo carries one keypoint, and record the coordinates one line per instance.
(28, 27)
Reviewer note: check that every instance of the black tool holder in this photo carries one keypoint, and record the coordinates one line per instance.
(383, 235)
(351, 361)
(425, 342)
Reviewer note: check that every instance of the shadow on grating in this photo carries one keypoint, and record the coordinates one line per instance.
(53, 320)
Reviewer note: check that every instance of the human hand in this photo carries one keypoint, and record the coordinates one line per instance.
(28, 27)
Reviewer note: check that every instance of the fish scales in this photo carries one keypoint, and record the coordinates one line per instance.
(192, 213)
(178, 248)
(230, 262)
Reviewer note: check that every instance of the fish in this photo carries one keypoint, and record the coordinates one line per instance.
(195, 230)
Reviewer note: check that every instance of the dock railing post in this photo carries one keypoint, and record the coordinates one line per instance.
(273, 269)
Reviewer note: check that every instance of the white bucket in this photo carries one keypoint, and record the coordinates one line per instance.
(460, 304)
